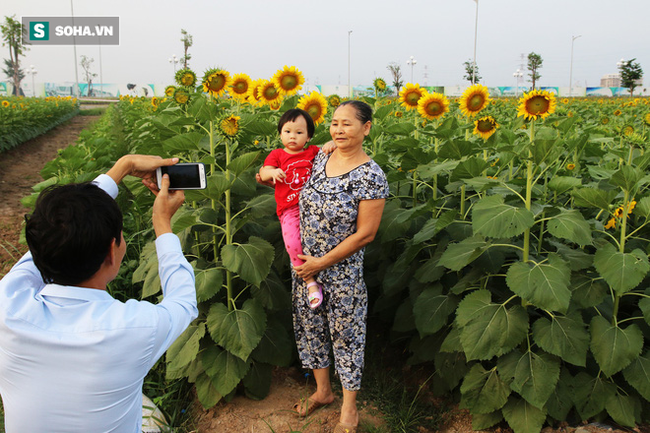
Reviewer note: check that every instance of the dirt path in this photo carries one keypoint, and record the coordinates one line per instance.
(19, 171)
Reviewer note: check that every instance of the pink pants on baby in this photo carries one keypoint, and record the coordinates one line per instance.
(290, 223)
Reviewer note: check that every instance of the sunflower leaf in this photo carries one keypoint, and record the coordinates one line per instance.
(614, 348)
(493, 218)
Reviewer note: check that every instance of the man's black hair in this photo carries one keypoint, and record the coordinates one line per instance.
(71, 230)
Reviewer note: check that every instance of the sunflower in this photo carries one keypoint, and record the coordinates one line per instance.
(485, 127)
(570, 166)
(565, 101)
(5, 103)
(474, 99)
(240, 86)
(230, 125)
(314, 104)
(334, 101)
(611, 224)
(288, 80)
(253, 95)
(537, 103)
(181, 96)
(185, 77)
(617, 113)
(399, 114)
(155, 102)
(379, 84)
(268, 93)
(628, 130)
(604, 120)
(216, 81)
(646, 118)
(433, 105)
(410, 95)
(169, 91)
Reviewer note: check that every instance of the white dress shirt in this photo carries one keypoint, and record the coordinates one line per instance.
(74, 359)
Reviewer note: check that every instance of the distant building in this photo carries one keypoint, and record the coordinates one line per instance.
(614, 80)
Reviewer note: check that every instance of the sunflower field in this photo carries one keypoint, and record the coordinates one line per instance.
(512, 253)
(22, 119)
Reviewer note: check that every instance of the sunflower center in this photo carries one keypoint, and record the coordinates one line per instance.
(538, 105)
(485, 125)
(434, 108)
(187, 80)
(314, 110)
(270, 93)
(240, 87)
(476, 102)
(288, 82)
(216, 82)
(412, 98)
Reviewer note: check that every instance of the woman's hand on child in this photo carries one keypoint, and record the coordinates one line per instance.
(328, 147)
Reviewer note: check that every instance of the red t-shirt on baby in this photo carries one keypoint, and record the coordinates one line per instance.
(297, 167)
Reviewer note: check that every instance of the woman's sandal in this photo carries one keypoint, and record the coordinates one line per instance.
(318, 296)
(309, 405)
(345, 428)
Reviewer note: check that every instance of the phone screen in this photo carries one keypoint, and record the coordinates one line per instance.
(183, 176)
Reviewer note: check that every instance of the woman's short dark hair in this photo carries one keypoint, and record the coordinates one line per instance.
(71, 230)
(364, 111)
(291, 115)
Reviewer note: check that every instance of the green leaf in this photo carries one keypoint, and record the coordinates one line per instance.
(561, 400)
(238, 331)
(493, 218)
(644, 305)
(242, 162)
(588, 290)
(459, 255)
(208, 283)
(622, 409)
(626, 177)
(565, 337)
(275, 347)
(257, 381)
(468, 169)
(455, 149)
(483, 391)
(182, 143)
(432, 309)
(433, 226)
(184, 218)
(488, 329)
(402, 128)
(262, 205)
(225, 369)
(523, 417)
(561, 184)
(592, 197)
(206, 391)
(393, 225)
(535, 377)
(545, 285)
(590, 394)
(637, 374)
(571, 225)
(483, 421)
(622, 271)
(252, 261)
(642, 208)
(614, 348)
(217, 185)
(186, 347)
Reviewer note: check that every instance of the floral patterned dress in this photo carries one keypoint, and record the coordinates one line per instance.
(328, 214)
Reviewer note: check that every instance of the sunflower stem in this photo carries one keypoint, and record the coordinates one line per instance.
(529, 188)
(228, 227)
(213, 202)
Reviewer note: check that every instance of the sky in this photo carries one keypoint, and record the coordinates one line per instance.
(258, 37)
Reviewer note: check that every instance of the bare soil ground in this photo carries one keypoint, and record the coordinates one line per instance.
(19, 171)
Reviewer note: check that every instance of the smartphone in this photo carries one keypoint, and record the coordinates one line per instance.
(184, 175)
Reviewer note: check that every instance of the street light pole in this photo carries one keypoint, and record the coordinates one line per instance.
(32, 71)
(518, 74)
(573, 38)
(619, 65)
(475, 39)
(173, 60)
(411, 62)
(349, 79)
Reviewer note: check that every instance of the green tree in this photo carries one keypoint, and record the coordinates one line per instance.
(471, 72)
(12, 36)
(396, 72)
(630, 74)
(534, 65)
(187, 43)
(86, 63)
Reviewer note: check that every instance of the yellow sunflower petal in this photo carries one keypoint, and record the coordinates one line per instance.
(433, 105)
(410, 95)
(240, 86)
(474, 99)
(288, 80)
(314, 104)
(216, 81)
(536, 104)
(485, 127)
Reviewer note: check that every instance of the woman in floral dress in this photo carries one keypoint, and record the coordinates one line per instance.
(340, 209)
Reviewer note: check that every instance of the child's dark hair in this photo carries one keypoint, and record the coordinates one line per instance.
(364, 111)
(71, 230)
(291, 115)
